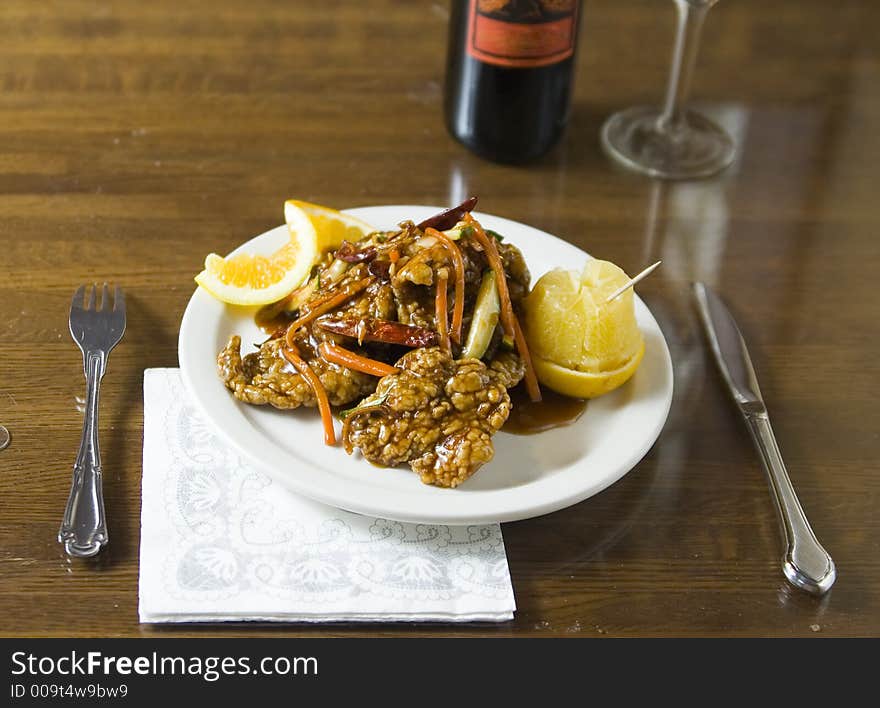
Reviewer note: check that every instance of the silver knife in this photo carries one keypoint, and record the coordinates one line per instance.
(805, 563)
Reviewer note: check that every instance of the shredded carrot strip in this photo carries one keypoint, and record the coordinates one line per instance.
(394, 255)
(507, 316)
(440, 310)
(508, 319)
(292, 355)
(346, 424)
(325, 306)
(458, 264)
(342, 356)
(532, 387)
(288, 337)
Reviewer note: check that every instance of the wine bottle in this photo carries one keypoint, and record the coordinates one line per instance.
(509, 75)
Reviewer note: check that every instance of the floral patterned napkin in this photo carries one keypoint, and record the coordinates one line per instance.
(222, 541)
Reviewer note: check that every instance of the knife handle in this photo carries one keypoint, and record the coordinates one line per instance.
(805, 563)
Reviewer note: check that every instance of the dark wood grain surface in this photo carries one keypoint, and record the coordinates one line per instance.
(137, 137)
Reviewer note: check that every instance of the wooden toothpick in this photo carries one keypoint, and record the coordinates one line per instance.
(632, 281)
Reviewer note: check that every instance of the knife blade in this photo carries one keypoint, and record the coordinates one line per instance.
(805, 563)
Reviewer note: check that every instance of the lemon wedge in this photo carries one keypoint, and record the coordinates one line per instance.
(581, 345)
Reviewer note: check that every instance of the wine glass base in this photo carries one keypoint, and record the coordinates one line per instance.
(694, 148)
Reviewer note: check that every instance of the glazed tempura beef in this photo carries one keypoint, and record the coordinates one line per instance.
(438, 414)
(413, 333)
(266, 377)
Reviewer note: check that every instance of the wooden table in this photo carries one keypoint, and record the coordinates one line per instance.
(137, 137)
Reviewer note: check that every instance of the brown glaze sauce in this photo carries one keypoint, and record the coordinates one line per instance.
(553, 411)
(271, 321)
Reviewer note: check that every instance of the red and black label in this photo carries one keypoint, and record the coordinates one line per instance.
(522, 33)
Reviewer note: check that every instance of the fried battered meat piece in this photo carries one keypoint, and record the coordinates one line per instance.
(518, 275)
(412, 277)
(507, 369)
(267, 377)
(418, 265)
(438, 414)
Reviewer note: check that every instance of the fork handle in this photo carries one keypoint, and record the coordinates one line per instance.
(84, 527)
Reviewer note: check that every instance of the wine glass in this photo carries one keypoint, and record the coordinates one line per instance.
(672, 142)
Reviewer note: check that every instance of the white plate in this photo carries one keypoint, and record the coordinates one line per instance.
(530, 475)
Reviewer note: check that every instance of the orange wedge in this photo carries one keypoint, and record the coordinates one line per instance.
(256, 279)
(332, 227)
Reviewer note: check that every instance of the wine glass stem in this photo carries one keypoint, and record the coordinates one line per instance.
(687, 40)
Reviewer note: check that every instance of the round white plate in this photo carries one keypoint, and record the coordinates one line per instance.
(530, 474)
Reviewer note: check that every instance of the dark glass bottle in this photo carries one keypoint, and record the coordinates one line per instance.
(509, 75)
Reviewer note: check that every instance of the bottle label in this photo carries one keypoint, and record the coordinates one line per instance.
(522, 33)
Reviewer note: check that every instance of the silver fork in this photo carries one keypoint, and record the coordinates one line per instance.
(96, 329)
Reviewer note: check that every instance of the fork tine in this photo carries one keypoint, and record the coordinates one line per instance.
(90, 299)
(118, 300)
(77, 301)
(105, 298)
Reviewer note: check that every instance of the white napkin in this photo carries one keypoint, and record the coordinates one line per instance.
(222, 541)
